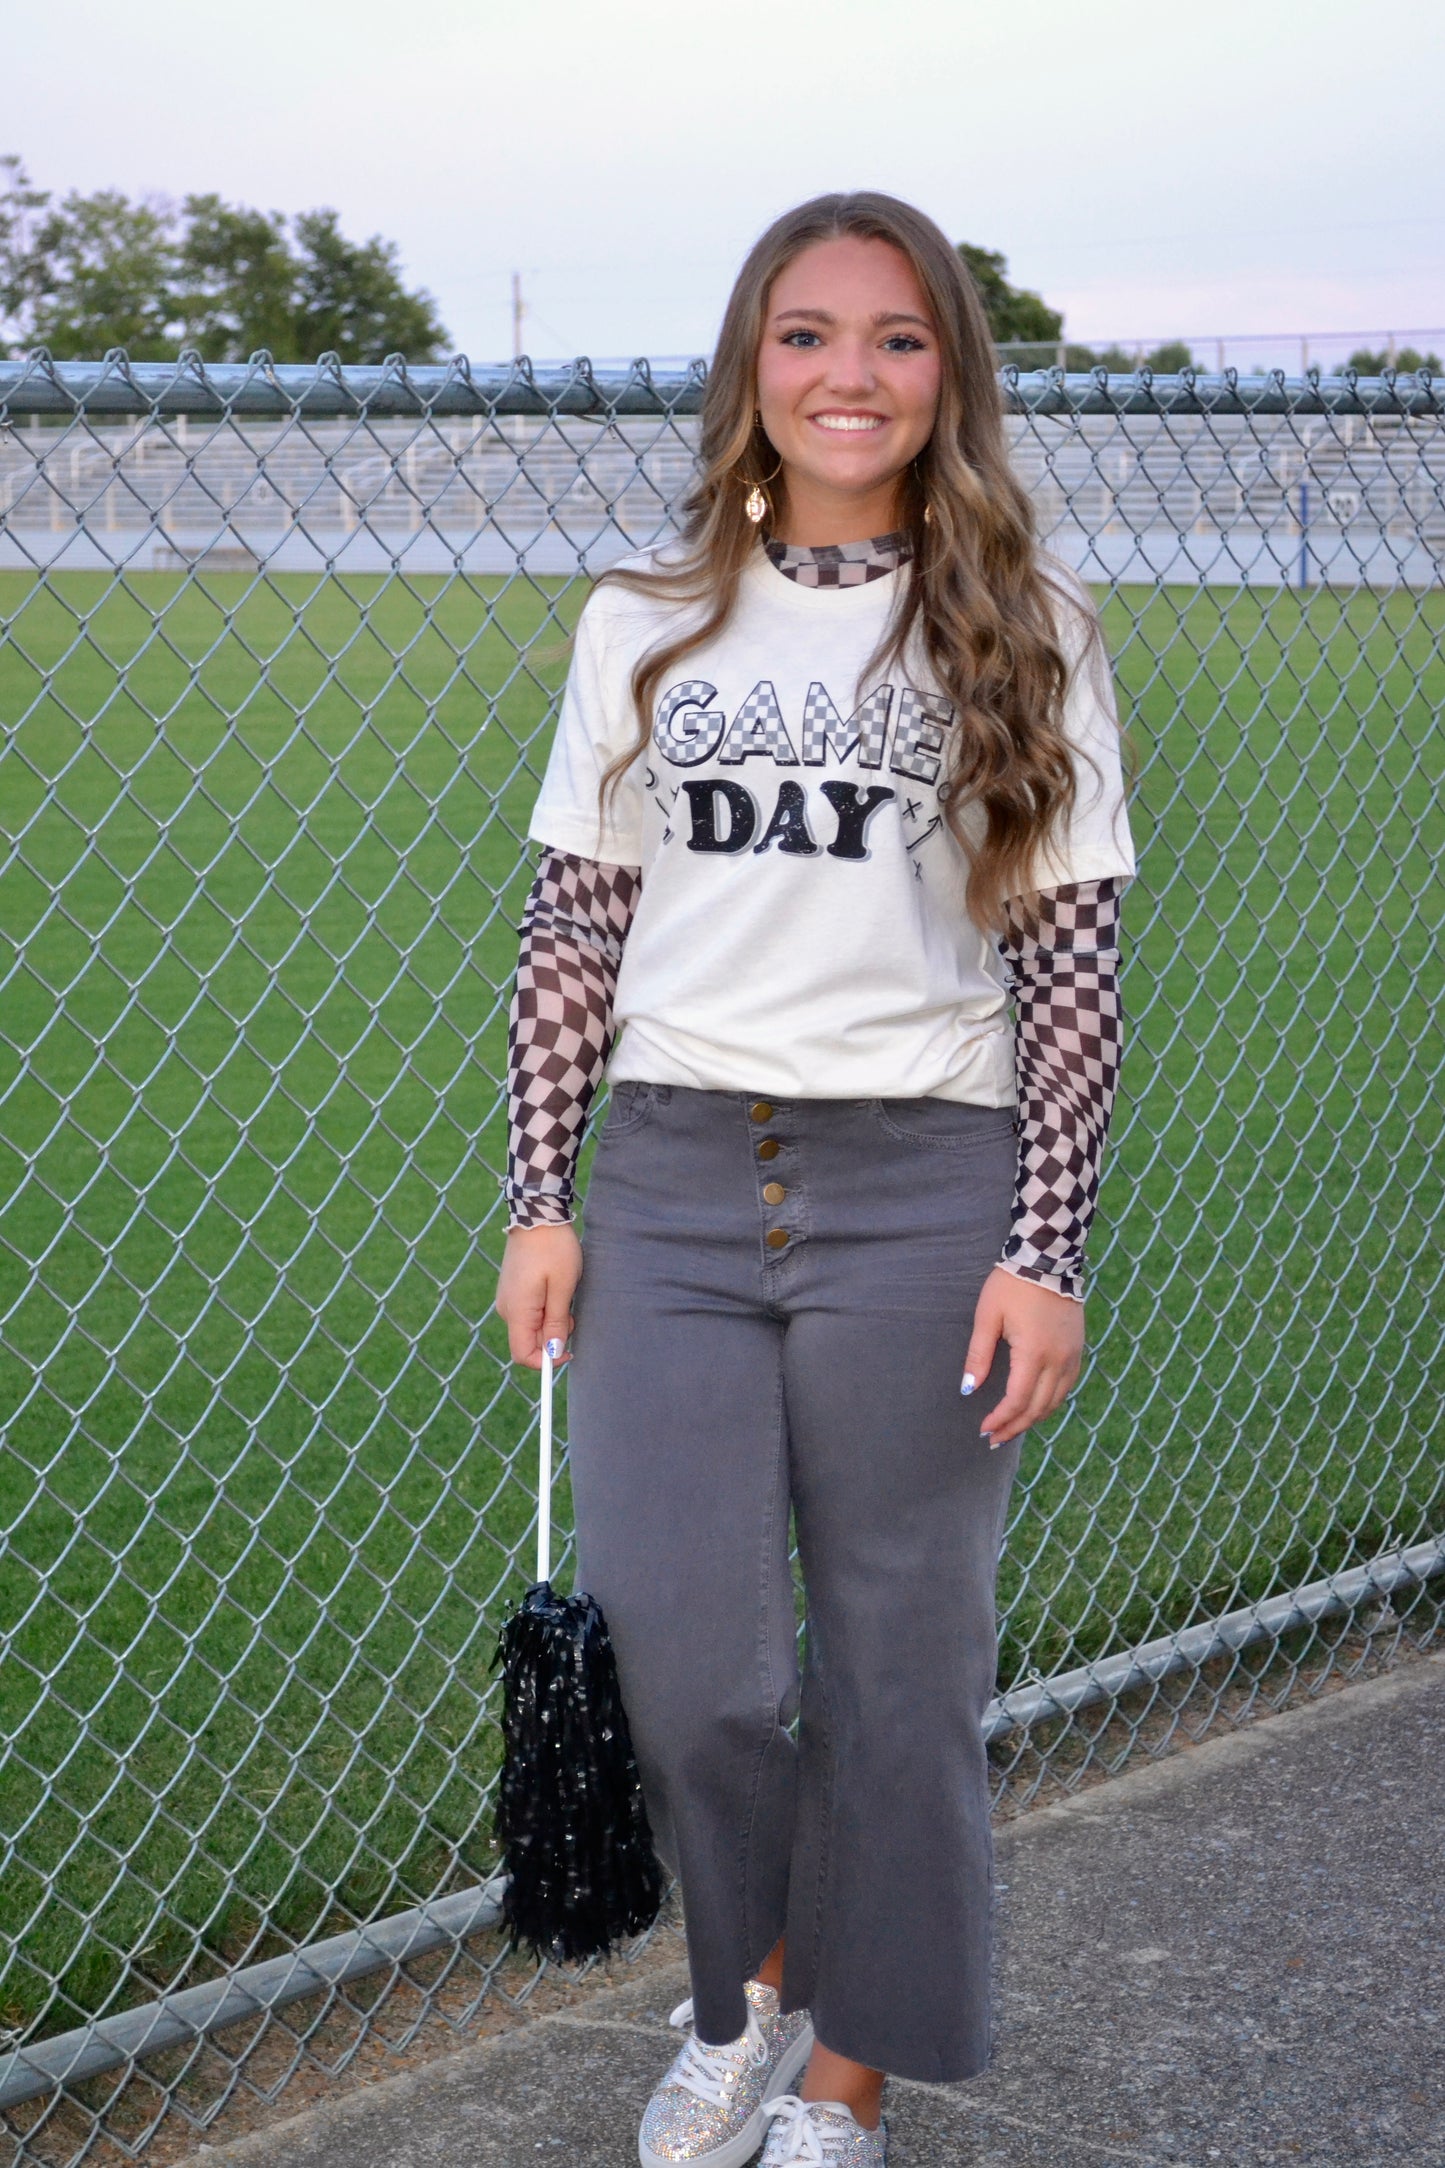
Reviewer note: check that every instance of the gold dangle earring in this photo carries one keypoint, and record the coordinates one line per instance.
(755, 504)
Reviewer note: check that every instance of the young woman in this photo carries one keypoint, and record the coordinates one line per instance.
(836, 774)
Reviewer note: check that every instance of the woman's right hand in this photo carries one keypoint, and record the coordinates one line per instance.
(540, 1270)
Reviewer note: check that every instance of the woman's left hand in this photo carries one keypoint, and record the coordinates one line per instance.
(1045, 1335)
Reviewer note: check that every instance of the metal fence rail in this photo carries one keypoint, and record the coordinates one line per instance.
(279, 656)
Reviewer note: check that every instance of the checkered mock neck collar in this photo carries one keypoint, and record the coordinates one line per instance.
(841, 564)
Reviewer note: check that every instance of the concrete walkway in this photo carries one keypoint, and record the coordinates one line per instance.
(1232, 1956)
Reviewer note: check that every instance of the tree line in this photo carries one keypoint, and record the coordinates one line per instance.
(1406, 359)
(89, 272)
(85, 273)
(1019, 317)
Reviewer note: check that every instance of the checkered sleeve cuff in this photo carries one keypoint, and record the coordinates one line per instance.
(1063, 958)
(560, 1028)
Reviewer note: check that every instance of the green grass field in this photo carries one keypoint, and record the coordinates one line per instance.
(258, 1439)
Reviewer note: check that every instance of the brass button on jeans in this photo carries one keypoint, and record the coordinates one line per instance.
(769, 1148)
(773, 1193)
(776, 1238)
(760, 1111)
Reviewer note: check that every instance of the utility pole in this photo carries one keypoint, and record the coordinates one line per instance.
(519, 310)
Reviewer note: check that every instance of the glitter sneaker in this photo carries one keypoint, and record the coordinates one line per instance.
(820, 2134)
(712, 2104)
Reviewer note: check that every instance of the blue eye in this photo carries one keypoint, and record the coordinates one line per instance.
(897, 342)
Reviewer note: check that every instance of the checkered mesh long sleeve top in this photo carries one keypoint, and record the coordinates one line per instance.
(1064, 977)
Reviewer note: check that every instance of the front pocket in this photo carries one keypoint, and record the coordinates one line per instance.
(942, 1125)
(628, 1106)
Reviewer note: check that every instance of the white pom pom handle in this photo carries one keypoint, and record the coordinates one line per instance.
(544, 1471)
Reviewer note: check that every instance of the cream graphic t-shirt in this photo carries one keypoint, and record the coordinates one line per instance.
(801, 930)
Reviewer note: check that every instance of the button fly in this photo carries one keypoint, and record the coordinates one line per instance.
(776, 1238)
(769, 1148)
(773, 1193)
(760, 1111)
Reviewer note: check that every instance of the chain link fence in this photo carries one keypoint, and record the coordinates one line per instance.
(281, 655)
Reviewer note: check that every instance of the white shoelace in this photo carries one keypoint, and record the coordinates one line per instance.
(712, 2072)
(805, 2141)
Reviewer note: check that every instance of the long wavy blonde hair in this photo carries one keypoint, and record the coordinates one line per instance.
(976, 594)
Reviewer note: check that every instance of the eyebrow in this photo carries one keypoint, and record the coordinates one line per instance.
(825, 316)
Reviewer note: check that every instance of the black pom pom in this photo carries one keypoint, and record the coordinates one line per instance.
(576, 1846)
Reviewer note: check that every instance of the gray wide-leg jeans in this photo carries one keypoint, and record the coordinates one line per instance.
(774, 1308)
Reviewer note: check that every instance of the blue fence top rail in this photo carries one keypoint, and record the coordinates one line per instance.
(327, 389)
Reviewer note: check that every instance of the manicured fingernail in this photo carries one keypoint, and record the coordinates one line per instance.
(993, 1443)
(970, 1382)
(554, 1349)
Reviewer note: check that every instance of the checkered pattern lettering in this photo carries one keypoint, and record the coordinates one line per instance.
(866, 728)
(1063, 960)
(841, 564)
(560, 1029)
(687, 730)
(758, 727)
(918, 739)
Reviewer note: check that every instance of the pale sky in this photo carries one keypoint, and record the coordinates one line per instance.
(1246, 167)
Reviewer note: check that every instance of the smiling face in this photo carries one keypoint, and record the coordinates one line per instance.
(848, 376)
